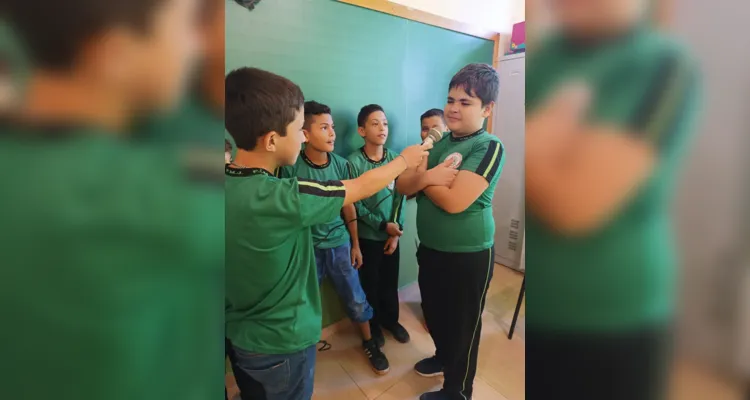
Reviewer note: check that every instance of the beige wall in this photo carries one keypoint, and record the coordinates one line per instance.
(496, 15)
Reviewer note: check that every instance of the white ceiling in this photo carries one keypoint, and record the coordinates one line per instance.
(494, 15)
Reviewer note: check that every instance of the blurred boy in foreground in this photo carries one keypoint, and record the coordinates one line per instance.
(105, 276)
(602, 158)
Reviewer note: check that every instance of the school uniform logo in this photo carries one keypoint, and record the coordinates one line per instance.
(456, 159)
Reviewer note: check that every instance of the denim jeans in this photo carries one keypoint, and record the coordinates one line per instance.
(336, 263)
(283, 376)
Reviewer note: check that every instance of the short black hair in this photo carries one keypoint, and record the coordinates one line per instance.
(249, 4)
(314, 108)
(365, 112)
(433, 112)
(258, 102)
(478, 80)
(54, 35)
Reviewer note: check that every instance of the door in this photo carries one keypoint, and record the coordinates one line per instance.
(509, 125)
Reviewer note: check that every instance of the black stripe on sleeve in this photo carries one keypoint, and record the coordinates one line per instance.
(658, 114)
(489, 164)
(496, 165)
(349, 171)
(321, 188)
(659, 87)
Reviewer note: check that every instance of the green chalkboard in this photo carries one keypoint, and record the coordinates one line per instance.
(346, 57)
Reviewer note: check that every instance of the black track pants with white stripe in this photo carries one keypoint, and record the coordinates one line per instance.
(454, 288)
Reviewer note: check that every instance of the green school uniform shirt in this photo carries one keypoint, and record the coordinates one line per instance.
(194, 122)
(273, 297)
(106, 276)
(621, 276)
(384, 206)
(473, 229)
(333, 233)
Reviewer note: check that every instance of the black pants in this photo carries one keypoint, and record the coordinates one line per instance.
(250, 389)
(586, 366)
(379, 278)
(454, 288)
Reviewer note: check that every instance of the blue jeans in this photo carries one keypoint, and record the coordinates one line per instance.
(336, 263)
(283, 376)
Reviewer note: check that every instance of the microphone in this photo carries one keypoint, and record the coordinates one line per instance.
(433, 136)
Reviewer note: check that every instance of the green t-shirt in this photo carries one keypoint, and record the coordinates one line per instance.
(385, 206)
(473, 229)
(106, 272)
(622, 275)
(272, 293)
(333, 233)
(194, 122)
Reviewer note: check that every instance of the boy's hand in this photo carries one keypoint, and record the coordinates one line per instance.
(356, 257)
(390, 245)
(442, 175)
(414, 154)
(392, 229)
(561, 118)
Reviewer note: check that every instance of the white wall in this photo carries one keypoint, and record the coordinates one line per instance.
(495, 15)
(711, 205)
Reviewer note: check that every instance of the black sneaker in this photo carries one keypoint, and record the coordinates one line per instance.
(399, 333)
(441, 395)
(429, 367)
(377, 359)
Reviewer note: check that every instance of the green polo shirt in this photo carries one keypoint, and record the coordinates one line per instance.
(473, 229)
(622, 275)
(383, 207)
(333, 233)
(107, 275)
(272, 293)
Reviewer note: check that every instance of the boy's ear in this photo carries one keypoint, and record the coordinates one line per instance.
(487, 110)
(307, 135)
(361, 131)
(268, 141)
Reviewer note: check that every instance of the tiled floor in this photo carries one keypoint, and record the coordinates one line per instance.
(343, 372)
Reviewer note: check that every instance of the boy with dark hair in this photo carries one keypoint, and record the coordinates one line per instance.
(601, 165)
(273, 314)
(381, 223)
(432, 119)
(337, 254)
(456, 231)
(107, 286)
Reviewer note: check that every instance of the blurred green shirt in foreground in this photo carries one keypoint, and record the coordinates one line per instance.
(112, 275)
(622, 276)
